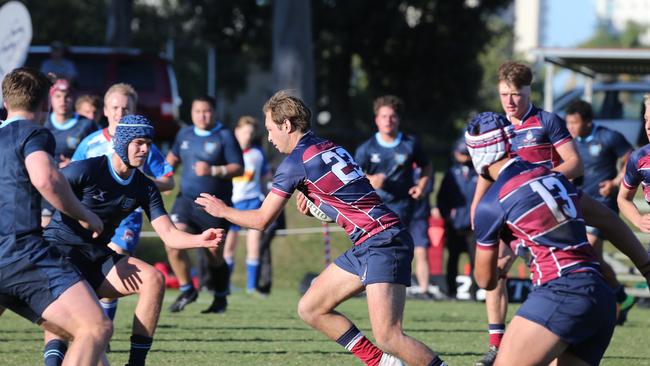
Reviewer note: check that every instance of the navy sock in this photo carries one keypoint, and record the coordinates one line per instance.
(230, 262)
(110, 308)
(221, 278)
(437, 362)
(140, 346)
(54, 352)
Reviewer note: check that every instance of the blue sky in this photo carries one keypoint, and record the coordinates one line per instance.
(569, 22)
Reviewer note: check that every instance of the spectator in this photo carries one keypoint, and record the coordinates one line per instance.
(58, 65)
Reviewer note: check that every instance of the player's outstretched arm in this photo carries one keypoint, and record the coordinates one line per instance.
(177, 239)
(616, 231)
(258, 219)
(54, 188)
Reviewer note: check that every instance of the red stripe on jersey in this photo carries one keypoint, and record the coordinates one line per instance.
(562, 142)
(538, 154)
(536, 221)
(643, 162)
(517, 182)
(548, 264)
(280, 193)
(329, 183)
(314, 150)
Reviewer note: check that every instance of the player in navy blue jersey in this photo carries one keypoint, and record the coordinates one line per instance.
(211, 157)
(120, 100)
(68, 129)
(602, 151)
(541, 138)
(35, 279)
(389, 159)
(637, 173)
(380, 259)
(570, 314)
(112, 187)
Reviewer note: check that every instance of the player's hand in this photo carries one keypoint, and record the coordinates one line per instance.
(644, 224)
(606, 188)
(63, 161)
(212, 238)
(377, 180)
(93, 223)
(416, 192)
(211, 204)
(201, 168)
(301, 204)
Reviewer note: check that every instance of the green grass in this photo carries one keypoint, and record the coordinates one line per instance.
(258, 331)
(268, 331)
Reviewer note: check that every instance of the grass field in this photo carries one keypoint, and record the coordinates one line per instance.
(268, 331)
(258, 331)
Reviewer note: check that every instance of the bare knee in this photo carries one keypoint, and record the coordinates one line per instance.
(155, 280)
(98, 332)
(306, 311)
(388, 339)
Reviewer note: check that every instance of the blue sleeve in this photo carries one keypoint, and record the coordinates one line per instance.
(82, 149)
(40, 139)
(232, 151)
(76, 173)
(176, 147)
(154, 206)
(632, 177)
(156, 165)
(361, 157)
(488, 222)
(556, 129)
(289, 175)
(619, 144)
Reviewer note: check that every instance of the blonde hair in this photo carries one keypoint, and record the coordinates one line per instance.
(646, 100)
(87, 98)
(124, 89)
(247, 120)
(284, 106)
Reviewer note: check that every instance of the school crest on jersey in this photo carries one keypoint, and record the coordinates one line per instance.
(210, 147)
(185, 145)
(375, 158)
(128, 204)
(529, 139)
(72, 142)
(595, 149)
(400, 159)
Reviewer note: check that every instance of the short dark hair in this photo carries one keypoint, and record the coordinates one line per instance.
(283, 106)
(581, 108)
(515, 73)
(207, 99)
(25, 89)
(392, 101)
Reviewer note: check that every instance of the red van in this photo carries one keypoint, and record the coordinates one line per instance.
(152, 77)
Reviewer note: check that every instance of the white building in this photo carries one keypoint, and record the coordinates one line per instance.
(529, 25)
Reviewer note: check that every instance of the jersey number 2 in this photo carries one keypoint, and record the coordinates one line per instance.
(343, 160)
(561, 213)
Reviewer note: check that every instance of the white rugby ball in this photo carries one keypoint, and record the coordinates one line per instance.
(317, 212)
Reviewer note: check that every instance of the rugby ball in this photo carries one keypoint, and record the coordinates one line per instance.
(317, 212)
